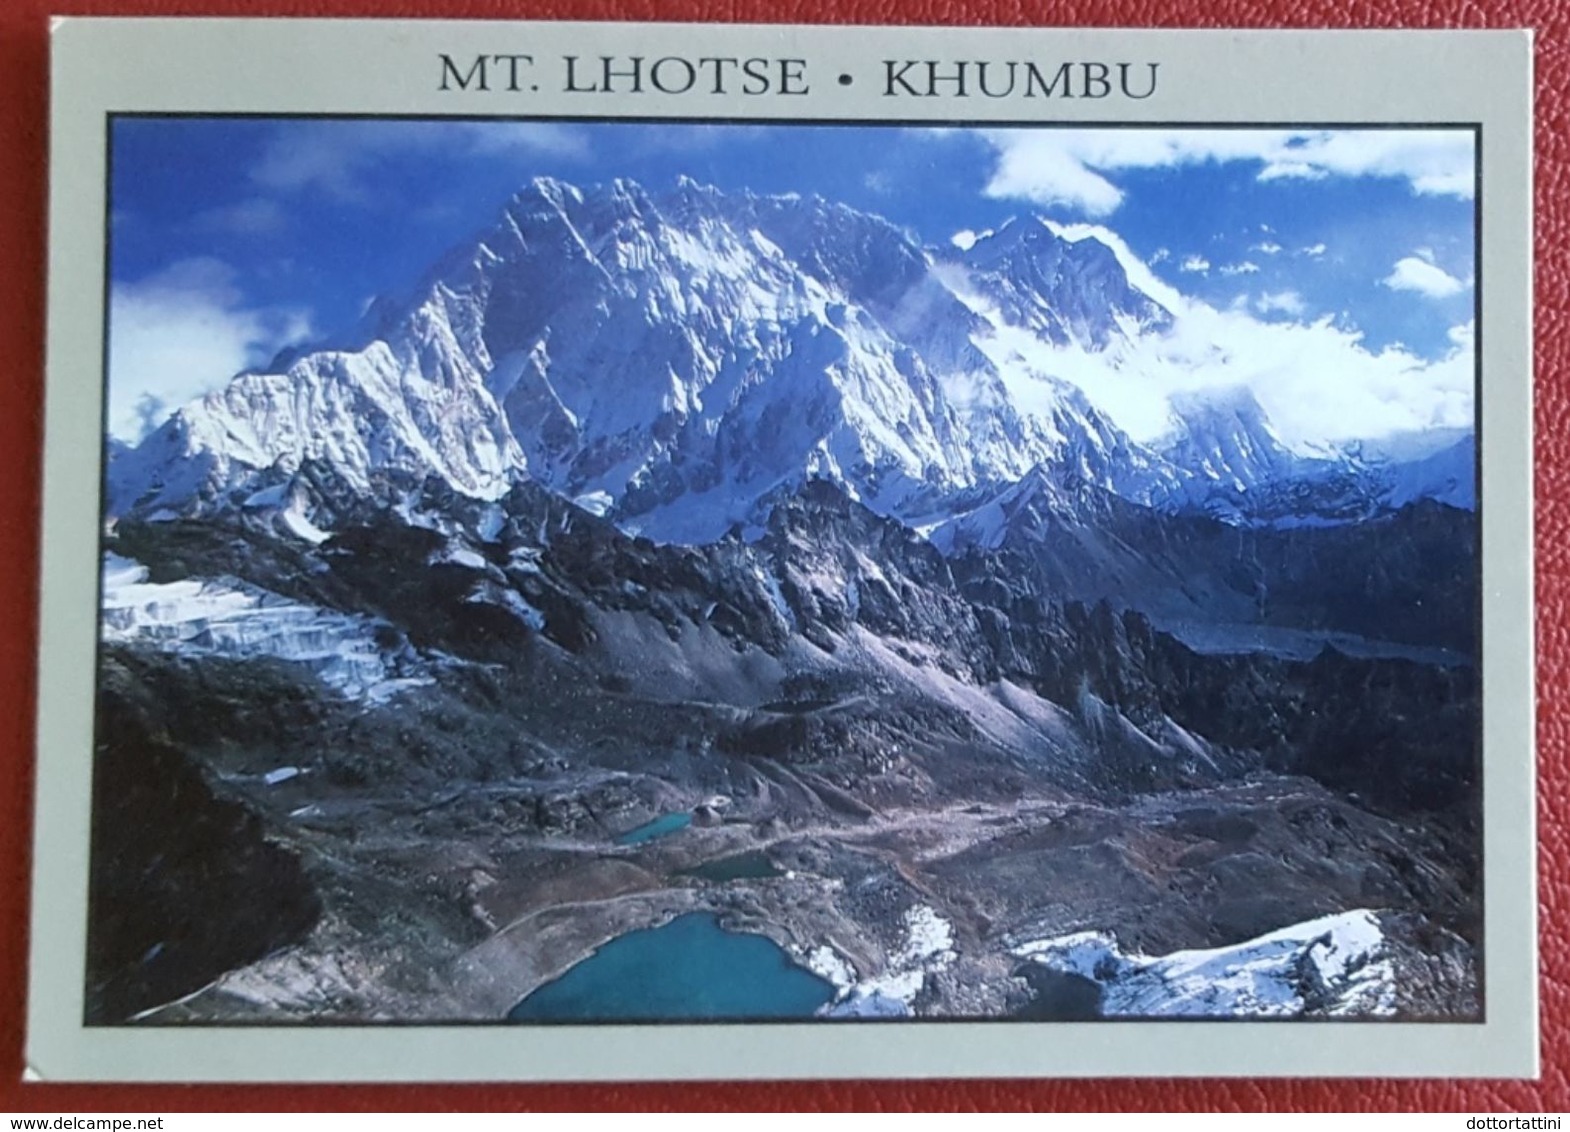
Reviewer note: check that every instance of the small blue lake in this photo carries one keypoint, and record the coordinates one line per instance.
(689, 969)
(659, 827)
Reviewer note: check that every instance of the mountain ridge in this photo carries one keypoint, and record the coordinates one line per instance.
(672, 359)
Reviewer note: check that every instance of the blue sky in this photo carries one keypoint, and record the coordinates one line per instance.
(233, 237)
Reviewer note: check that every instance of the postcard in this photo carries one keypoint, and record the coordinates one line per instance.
(649, 551)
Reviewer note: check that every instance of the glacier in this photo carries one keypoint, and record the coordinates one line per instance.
(209, 617)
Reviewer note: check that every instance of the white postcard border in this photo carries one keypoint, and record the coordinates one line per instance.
(106, 66)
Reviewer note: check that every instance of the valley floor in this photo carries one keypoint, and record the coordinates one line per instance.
(438, 909)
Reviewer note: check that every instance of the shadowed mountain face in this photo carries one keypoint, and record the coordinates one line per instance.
(1404, 577)
(660, 531)
(184, 886)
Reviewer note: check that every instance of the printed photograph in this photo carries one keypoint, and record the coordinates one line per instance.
(667, 572)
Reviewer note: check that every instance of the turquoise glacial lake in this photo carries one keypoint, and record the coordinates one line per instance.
(690, 969)
(659, 827)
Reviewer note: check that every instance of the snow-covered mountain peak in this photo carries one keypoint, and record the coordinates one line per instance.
(549, 192)
(1066, 291)
(679, 356)
(1448, 475)
(1225, 400)
(1224, 435)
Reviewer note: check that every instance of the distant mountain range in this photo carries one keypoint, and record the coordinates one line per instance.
(674, 361)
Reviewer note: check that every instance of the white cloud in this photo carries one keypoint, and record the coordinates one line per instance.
(1269, 247)
(183, 332)
(1246, 267)
(1037, 170)
(1314, 251)
(1070, 167)
(1433, 162)
(964, 239)
(1419, 273)
(1160, 254)
(1317, 380)
(254, 216)
(1280, 302)
(1195, 263)
(516, 137)
(336, 157)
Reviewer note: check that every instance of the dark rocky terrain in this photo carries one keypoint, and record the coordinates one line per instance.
(890, 728)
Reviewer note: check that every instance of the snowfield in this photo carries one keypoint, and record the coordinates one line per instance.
(1336, 965)
(205, 617)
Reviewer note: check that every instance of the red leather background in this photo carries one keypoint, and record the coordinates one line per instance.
(23, 147)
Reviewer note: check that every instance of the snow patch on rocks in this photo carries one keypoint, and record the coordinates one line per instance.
(927, 949)
(830, 965)
(1336, 965)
